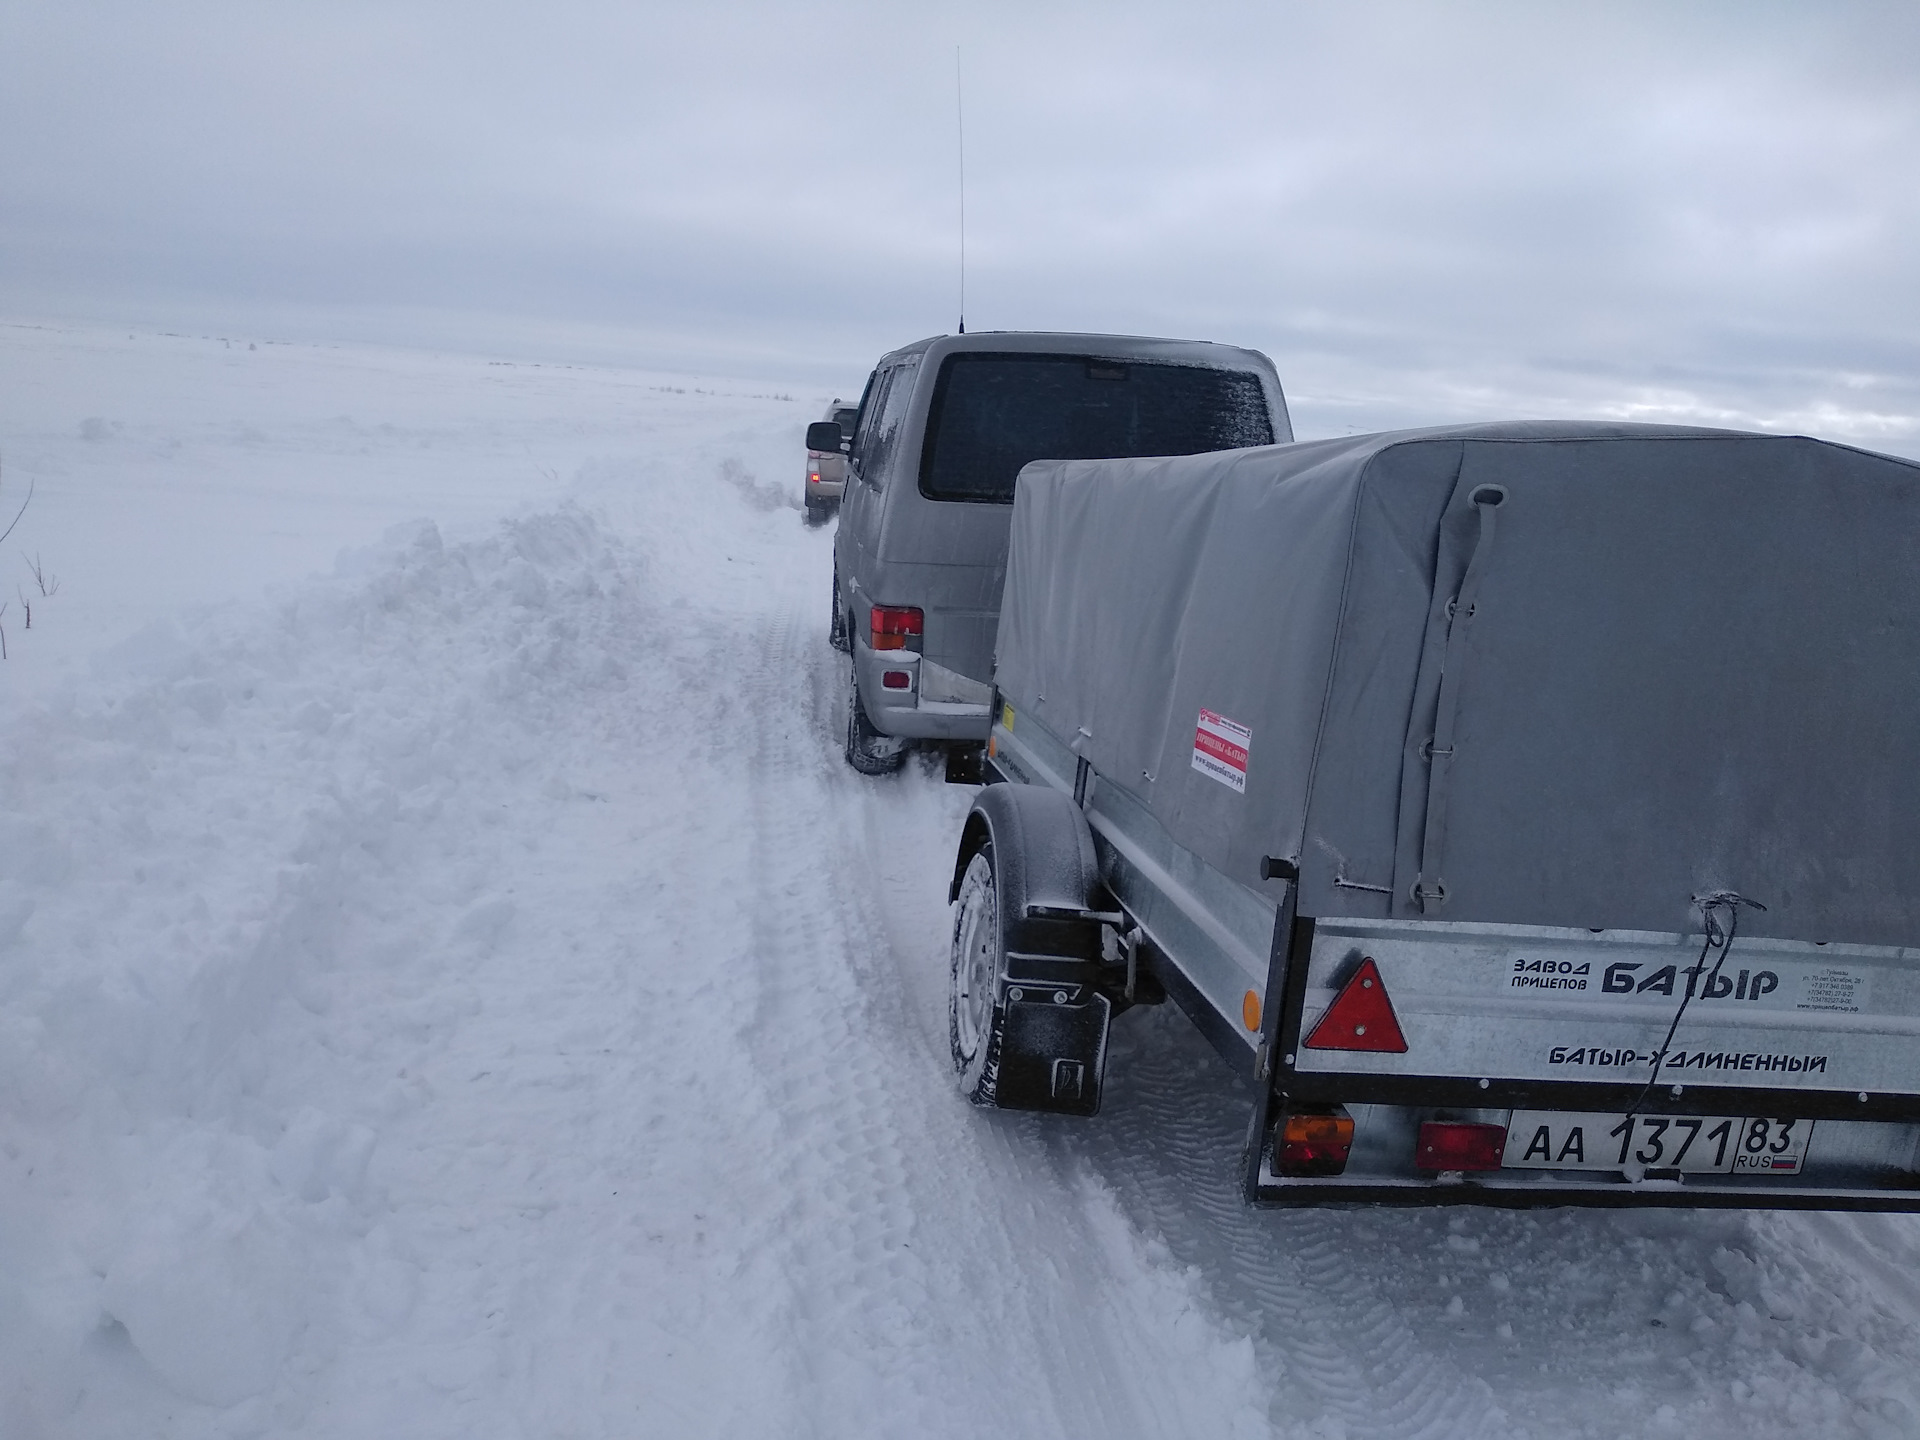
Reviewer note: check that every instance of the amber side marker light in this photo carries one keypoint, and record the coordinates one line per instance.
(1459, 1145)
(1316, 1144)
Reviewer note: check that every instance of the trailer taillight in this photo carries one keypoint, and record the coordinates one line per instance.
(1361, 1017)
(1459, 1145)
(1313, 1144)
(893, 624)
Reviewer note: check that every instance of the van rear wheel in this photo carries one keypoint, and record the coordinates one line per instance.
(838, 631)
(868, 750)
(975, 1018)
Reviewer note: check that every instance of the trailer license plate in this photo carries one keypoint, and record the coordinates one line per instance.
(1692, 1144)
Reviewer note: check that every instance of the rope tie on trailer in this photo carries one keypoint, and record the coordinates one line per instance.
(1712, 906)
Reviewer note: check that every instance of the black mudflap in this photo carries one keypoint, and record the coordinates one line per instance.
(1053, 1056)
(966, 765)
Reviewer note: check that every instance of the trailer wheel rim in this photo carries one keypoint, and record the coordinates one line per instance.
(976, 973)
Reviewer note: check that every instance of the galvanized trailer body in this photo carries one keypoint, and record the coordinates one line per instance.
(1483, 714)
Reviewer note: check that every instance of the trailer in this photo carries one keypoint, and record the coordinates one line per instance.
(1530, 812)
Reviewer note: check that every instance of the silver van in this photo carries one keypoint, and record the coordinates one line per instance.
(944, 427)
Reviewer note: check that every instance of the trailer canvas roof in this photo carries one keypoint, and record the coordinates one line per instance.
(1680, 660)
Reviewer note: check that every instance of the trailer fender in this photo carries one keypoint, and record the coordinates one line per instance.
(1044, 866)
(1049, 1024)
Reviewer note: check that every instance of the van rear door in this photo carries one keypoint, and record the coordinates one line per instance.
(993, 412)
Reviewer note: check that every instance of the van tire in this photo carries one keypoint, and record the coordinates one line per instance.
(838, 631)
(818, 512)
(977, 962)
(868, 750)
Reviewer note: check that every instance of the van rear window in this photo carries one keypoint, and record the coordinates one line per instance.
(991, 414)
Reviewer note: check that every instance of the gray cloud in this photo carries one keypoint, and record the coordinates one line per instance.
(1423, 212)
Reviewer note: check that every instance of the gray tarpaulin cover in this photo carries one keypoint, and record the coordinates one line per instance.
(1534, 673)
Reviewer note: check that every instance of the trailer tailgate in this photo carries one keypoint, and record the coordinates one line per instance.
(1532, 1003)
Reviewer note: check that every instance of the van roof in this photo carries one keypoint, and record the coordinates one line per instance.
(1041, 342)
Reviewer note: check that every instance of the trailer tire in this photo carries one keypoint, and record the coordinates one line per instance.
(1026, 1017)
(978, 961)
(868, 750)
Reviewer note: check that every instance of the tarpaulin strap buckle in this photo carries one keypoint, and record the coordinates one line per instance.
(1427, 752)
(1423, 892)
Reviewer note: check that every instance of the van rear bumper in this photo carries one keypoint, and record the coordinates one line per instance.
(907, 713)
(933, 721)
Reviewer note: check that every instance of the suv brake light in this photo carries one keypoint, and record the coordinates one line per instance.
(892, 624)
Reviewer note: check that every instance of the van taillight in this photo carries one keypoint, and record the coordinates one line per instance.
(892, 624)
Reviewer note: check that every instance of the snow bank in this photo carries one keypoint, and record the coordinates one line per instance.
(185, 851)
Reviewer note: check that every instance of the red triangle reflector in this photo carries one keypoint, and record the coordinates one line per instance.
(1361, 1017)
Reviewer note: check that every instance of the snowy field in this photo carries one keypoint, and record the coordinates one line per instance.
(451, 986)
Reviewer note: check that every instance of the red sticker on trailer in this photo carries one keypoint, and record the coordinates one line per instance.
(1220, 750)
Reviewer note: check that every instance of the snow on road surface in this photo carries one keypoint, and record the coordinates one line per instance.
(464, 993)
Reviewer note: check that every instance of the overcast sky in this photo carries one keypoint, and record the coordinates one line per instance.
(1423, 212)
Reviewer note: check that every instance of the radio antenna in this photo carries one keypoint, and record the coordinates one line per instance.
(960, 130)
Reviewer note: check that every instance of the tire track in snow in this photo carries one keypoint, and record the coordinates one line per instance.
(1639, 1322)
(937, 1298)
(864, 1300)
(938, 1273)
(1170, 1144)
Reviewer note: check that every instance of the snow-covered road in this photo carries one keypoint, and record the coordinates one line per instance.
(464, 994)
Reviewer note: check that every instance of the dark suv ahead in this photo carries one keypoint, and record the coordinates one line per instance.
(827, 469)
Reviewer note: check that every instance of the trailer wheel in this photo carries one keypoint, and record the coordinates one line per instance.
(868, 750)
(975, 1018)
